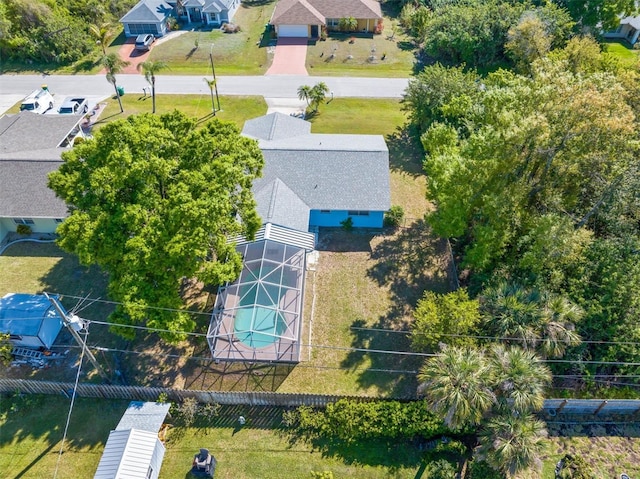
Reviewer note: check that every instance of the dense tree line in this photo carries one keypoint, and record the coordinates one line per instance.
(53, 31)
(535, 177)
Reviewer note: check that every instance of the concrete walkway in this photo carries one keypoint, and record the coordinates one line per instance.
(289, 57)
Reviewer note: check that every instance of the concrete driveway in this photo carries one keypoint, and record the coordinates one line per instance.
(289, 57)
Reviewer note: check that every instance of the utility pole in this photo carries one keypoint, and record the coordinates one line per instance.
(75, 324)
(213, 71)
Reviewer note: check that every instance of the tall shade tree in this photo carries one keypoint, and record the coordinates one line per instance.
(103, 35)
(113, 65)
(520, 379)
(531, 146)
(153, 201)
(457, 386)
(513, 444)
(150, 69)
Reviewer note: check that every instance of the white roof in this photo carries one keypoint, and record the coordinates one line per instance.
(633, 21)
(144, 416)
(129, 454)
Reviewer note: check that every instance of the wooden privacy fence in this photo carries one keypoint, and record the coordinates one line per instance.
(141, 393)
(552, 407)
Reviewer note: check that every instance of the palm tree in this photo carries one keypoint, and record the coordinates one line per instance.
(536, 320)
(113, 64)
(318, 94)
(211, 84)
(512, 443)
(457, 386)
(304, 93)
(103, 35)
(519, 378)
(149, 69)
(560, 316)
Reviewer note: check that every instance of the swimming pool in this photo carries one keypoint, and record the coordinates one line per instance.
(258, 327)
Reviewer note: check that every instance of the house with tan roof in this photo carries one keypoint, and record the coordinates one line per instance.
(307, 18)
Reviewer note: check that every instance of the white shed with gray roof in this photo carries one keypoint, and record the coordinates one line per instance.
(133, 450)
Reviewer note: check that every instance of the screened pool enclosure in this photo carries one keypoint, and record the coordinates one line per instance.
(257, 317)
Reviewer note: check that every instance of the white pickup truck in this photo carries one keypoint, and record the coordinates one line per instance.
(74, 106)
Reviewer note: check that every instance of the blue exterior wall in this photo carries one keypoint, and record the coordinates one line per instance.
(334, 217)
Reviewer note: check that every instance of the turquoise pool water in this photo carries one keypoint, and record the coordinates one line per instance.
(258, 327)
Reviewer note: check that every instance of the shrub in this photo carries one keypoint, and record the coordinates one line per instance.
(190, 410)
(355, 421)
(23, 229)
(574, 467)
(395, 215)
(348, 24)
(230, 28)
(347, 224)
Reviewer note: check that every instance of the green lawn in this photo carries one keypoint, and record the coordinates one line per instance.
(237, 109)
(234, 54)
(31, 434)
(30, 441)
(623, 52)
(362, 55)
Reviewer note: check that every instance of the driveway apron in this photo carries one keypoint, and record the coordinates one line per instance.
(289, 58)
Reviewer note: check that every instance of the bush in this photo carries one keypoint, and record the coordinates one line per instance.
(393, 218)
(355, 421)
(190, 410)
(24, 229)
(230, 28)
(574, 467)
(347, 224)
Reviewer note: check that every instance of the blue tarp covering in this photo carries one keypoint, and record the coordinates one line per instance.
(29, 316)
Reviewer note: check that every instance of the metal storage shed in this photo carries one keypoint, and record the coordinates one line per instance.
(133, 450)
(30, 320)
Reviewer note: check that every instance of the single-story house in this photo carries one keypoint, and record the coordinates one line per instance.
(311, 180)
(307, 18)
(308, 180)
(629, 30)
(30, 319)
(134, 450)
(147, 16)
(30, 148)
(209, 12)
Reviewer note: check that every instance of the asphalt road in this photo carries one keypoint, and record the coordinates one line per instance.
(274, 86)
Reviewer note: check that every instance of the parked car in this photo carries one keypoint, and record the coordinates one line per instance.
(74, 106)
(143, 42)
(38, 102)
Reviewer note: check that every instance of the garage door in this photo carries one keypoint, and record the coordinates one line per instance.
(293, 31)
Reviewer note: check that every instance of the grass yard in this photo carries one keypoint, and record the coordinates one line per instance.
(31, 433)
(237, 109)
(239, 53)
(30, 436)
(362, 55)
(623, 52)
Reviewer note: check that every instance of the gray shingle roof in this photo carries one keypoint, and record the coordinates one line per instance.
(23, 188)
(333, 172)
(28, 153)
(275, 126)
(144, 416)
(149, 11)
(336, 180)
(27, 131)
(293, 12)
(279, 205)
